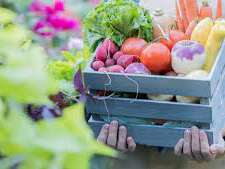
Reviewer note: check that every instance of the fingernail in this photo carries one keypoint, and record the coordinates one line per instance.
(187, 131)
(114, 123)
(106, 126)
(122, 127)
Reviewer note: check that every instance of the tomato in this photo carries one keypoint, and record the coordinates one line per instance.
(156, 57)
(133, 46)
(176, 36)
(168, 43)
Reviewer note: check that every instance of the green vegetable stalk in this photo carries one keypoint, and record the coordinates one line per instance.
(117, 20)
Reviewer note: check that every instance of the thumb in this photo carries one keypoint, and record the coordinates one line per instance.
(217, 150)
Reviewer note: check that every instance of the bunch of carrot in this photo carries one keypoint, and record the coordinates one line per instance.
(188, 13)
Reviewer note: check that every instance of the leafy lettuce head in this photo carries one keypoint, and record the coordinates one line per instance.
(117, 20)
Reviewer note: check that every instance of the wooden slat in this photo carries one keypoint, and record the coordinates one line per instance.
(217, 69)
(147, 84)
(151, 135)
(151, 109)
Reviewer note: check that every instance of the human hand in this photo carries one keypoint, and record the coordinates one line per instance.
(195, 145)
(116, 136)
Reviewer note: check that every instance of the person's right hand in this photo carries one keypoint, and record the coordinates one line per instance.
(116, 137)
(195, 145)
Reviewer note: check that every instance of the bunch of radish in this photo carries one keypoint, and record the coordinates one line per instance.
(108, 58)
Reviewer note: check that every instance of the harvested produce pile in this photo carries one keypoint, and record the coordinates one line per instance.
(129, 40)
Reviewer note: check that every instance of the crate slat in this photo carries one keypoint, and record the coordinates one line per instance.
(151, 109)
(217, 69)
(152, 135)
(147, 84)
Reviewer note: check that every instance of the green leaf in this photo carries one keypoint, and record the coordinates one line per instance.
(6, 16)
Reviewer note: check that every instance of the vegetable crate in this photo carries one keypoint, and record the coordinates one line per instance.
(210, 113)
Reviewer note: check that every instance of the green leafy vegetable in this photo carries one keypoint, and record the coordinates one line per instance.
(117, 20)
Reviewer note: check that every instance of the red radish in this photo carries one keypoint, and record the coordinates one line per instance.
(116, 69)
(96, 65)
(133, 46)
(117, 55)
(106, 49)
(101, 53)
(110, 47)
(102, 69)
(125, 60)
(109, 62)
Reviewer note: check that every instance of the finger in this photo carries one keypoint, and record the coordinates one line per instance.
(179, 147)
(131, 144)
(217, 150)
(112, 137)
(122, 139)
(187, 144)
(204, 144)
(103, 135)
(195, 143)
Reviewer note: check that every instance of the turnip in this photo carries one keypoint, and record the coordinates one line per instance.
(137, 68)
(125, 60)
(109, 62)
(116, 69)
(198, 75)
(96, 65)
(117, 55)
(187, 56)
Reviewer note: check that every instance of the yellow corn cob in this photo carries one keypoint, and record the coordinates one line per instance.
(202, 30)
(214, 42)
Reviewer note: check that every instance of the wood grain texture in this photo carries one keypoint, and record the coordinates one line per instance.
(151, 135)
(151, 109)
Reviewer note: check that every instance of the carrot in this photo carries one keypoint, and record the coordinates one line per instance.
(219, 10)
(191, 7)
(205, 10)
(178, 19)
(190, 28)
(182, 10)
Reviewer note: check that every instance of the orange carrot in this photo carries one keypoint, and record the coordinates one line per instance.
(178, 19)
(181, 7)
(205, 10)
(219, 10)
(190, 28)
(192, 10)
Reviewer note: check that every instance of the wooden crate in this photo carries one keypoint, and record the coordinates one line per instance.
(210, 112)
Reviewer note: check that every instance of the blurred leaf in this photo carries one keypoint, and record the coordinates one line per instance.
(6, 16)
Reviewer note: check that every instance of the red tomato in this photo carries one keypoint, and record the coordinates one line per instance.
(133, 46)
(167, 42)
(156, 57)
(176, 36)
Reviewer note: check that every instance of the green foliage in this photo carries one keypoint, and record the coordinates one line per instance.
(61, 143)
(117, 20)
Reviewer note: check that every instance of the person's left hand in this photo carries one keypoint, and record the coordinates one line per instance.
(195, 145)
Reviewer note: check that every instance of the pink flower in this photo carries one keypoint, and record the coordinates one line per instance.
(95, 2)
(59, 5)
(60, 22)
(37, 6)
(42, 28)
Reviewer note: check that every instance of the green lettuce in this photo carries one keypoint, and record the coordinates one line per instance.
(117, 20)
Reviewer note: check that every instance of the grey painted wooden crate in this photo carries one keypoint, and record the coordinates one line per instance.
(210, 112)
